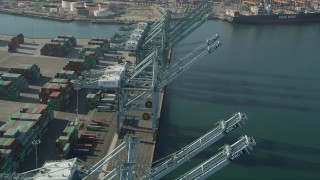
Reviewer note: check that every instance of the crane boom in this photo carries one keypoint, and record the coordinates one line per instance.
(174, 160)
(221, 159)
(175, 70)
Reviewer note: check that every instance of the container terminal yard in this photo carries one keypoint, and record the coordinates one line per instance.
(90, 108)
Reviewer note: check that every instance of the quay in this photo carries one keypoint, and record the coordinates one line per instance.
(107, 139)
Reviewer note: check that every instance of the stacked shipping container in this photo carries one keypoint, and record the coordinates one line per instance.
(59, 46)
(97, 49)
(46, 90)
(66, 75)
(17, 133)
(29, 71)
(57, 93)
(68, 139)
(76, 65)
(15, 42)
(72, 39)
(54, 49)
(92, 100)
(57, 96)
(8, 90)
(69, 88)
(17, 79)
(102, 42)
(90, 59)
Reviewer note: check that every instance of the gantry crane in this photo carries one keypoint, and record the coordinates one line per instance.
(126, 170)
(146, 80)
(139, 84)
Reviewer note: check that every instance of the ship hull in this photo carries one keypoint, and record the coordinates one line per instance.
(278, 18)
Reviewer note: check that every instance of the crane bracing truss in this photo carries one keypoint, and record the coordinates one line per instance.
(148, 80)
(165, 35)
(142, 83)
(221, 159)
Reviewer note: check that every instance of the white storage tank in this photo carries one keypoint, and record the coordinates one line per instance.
(66, 3)
(101, 13)
(73, 5)
(131, 45)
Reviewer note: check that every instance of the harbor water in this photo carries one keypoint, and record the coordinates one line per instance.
(269, 72)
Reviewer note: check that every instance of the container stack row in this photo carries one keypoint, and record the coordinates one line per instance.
(64, 74)
(72, 39)
(92, 100)
(67, 140)
(90, 59)
(54, 49)
(31, 72)
(76, 65)
(58, 101)
(8, 90)
(57, 96)
(15, 42)
(17, 79)
(102, 42)
(69, 88)
(95, 48)
(17, 134)
(59, 46)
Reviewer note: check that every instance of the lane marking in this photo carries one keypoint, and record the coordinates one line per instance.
(5, 58)
(112, 146)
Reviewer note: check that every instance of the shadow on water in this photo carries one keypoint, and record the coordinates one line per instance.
(238, 72)
(238, 101)
(268, 153)
(233, 87)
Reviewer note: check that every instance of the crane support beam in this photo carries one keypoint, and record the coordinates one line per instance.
(105, 160)
(221, 159)
(174, 160)
(188, 16)
(172, 73)
(199, 15)
(202, 48)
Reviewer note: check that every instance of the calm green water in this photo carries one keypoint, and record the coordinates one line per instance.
(271, 73)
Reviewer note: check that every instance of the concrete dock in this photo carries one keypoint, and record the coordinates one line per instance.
(107, 139)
